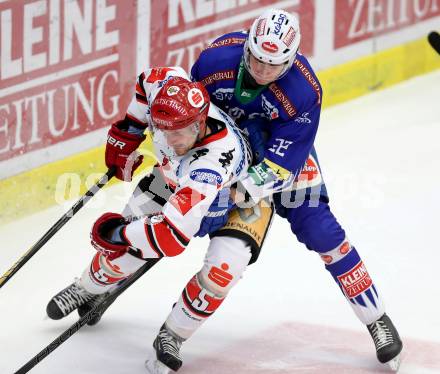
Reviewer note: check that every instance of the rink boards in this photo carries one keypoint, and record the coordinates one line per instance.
(63, 83)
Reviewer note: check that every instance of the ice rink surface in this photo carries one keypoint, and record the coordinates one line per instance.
(380, 156)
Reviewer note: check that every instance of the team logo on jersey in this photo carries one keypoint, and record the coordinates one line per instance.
(199, 154)
(270, 47)
(303, 118)
(172, 90)
(226, 159)
(223, 94)
(269, 109)
(206, 176)
(280, 146)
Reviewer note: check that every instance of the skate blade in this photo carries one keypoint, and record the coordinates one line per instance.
(154, 366)
(394, 364)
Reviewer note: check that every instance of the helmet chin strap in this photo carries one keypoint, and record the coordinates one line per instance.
(206, 131)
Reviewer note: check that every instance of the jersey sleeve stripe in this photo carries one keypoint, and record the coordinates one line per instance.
(141, 83)
(141, 99)
(178, 234)
(152, 240)
(166, 240)
(139, 89)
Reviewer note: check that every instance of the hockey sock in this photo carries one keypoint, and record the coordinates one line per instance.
(195, 305)
(350, 273)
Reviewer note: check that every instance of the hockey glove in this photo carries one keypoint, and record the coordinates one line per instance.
(102, 238)
(218, 213)
(254, 128)
(120, 151)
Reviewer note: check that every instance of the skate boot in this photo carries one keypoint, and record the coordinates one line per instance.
(167, 346)
(387, 342)
(67, 300)
(91, 304)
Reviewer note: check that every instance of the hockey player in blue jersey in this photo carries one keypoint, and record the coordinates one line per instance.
(261, 80)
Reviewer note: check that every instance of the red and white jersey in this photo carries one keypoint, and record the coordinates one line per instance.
(218, 160)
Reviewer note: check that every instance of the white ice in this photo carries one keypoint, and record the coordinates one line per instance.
(380, 156)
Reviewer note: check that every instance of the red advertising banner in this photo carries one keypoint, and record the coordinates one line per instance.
(181, 29)
(357, 20)
(66, 68)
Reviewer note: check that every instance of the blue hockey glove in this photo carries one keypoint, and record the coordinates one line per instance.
(217, 215)
(254, 128)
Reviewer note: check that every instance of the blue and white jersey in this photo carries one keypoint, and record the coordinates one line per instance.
(291, 105)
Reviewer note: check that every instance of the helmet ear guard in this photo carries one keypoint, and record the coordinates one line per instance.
(274, 39)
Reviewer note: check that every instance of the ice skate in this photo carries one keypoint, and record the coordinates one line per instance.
(154, 366)
(89, 305)
(67, 300)
(387, 342)
(167, 346)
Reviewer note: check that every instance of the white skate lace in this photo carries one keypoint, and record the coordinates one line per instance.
(72, 298)
(169, 343)
(382, 335)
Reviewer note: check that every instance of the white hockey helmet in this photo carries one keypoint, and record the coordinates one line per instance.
(274, 39)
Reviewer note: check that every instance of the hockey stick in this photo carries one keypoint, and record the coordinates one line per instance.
(95, 312)
(57, 226)
(434, 40)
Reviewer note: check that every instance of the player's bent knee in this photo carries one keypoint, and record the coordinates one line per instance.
(338, 253)
(225, 262)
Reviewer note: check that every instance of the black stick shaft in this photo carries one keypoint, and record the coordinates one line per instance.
(56, 227)
(86, 318)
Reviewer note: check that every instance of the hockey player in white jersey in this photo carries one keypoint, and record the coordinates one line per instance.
(200, 154)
